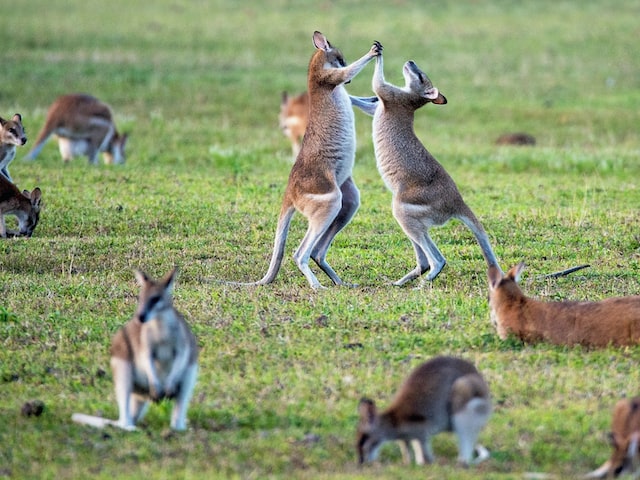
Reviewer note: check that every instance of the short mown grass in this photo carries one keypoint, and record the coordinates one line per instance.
(282, 367)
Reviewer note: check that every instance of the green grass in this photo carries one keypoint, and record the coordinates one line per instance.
(197, 84)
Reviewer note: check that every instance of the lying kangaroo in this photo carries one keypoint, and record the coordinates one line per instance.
(424, 195)
(625, 440)
(84, 126)
(443, 394)
(153, 356)
(320, 184)
(24, 205)
(11, 136)
(613, 321)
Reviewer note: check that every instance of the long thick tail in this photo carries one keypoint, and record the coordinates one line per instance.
(37, 147)
(475, 226)
(97, 422)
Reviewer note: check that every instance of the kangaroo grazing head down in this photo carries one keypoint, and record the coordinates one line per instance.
(12, 131)
(155, 296)
(417, 82)
(369, 437)
(114, 154)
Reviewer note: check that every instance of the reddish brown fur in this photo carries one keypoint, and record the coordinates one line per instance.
(294, 117)
(613, 321)
(625, 428)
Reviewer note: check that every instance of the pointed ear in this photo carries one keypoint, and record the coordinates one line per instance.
(495, 276)
(169, 279)
(17, 118)
(367, 411)
(2, 121)
(141, 277)
(35, 197)
(516, 271)
(321, 42)
(285, 97)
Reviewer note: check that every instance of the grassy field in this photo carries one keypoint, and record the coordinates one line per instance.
(197, 85)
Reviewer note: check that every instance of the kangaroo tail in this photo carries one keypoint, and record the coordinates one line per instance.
(282, 230)
(97, 422)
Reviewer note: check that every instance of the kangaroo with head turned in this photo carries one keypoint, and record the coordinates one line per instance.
(424, 195)
(84, 126)
(320, 183)
(612, 321)
(24, 205)
(12, 135)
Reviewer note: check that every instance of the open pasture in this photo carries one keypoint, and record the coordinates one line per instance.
(198, 85)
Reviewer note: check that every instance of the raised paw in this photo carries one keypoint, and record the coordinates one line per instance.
(376, 48)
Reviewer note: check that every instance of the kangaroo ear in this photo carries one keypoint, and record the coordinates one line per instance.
(441, 100)
(367, 411)
(321, 42)
(169, 279)
(17, 118)
(495, 276)
(516, 271)
(35, 196)
(141, 277)
(435, 96)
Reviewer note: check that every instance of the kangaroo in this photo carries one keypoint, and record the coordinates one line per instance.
(84, 126)
(320, 185)
(24, 205)
(12, 135)
(293, 118)
(625, 440)
(424, 195)
(612, 321)
(443, 394)
(294, 115)
(153, 356)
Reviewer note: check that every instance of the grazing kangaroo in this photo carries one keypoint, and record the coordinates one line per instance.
(293, 118)
(24, 205)
(424, 195)
(612, 321)
(320, 184)
(443, 394)
(11, 136)
(153, 356)
(625, 440)
(84, 126)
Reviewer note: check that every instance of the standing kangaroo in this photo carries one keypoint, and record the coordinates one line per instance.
(11, 136)
(153, 356)
(320, 184)
(24, 205)
(443, 394)
(612, 321)
(625, 440)
(424, 195)
(84, 126)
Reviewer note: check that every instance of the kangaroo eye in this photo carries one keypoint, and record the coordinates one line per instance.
(13, 131)
(153, 301)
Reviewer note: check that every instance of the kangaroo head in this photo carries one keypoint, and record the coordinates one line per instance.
(12, 131)
(332, 56)
(155, 296)
(29, 217)
(115, 150)
(625, 436)
(503, 291)
(369, 437)
(417, 82)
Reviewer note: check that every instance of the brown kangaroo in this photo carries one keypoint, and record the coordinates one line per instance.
(625, 440)
(612, 321)
(24, 205)
(12, 135)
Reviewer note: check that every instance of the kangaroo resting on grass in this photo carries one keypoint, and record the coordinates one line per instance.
(24, 205)
(612, 321)
(84, 126)
(424, 195)
(625, 440)
(320, 184)
(12, 135)
(153, 356)
(443, 394)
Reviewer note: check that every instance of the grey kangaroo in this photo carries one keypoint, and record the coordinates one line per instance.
(424, 195)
